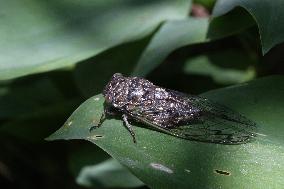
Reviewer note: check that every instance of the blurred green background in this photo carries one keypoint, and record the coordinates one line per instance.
(56, 54)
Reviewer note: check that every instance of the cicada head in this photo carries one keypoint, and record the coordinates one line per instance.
(115, 92)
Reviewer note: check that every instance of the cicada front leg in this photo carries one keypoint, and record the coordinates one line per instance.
(107, 112)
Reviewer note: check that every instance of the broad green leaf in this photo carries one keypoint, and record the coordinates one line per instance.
(164, 161)
(172, 35)
(176, 34)
(37, 36)
(229, 24)
(216, 66)
(269, 16)
(108, 174)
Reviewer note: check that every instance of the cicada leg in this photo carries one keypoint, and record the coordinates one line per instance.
(128, 126)
(107, 112)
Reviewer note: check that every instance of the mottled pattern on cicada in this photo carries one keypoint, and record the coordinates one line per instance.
(185, 116)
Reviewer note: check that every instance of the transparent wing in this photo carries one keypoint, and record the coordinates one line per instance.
(215, 130)
(216, 124)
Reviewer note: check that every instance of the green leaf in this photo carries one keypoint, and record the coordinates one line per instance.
(176, 34)
(229, 24)
(164, 161)
(216, 65)
(39, 36)
(108, 174)
(269, 16)
(172, 35)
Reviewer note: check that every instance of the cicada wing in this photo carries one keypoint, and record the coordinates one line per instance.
(210, 110)
(214, 130)
(210, 129)
(216, 124)
(213, 123)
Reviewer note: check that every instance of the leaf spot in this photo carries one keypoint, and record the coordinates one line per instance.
(69, 123)
(97, 99)
(131, 163)
(244, 172)
(161, 167)
(221, 172)
(187, 170)
(95, 137)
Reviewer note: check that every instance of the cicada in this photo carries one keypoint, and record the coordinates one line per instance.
(185, 116)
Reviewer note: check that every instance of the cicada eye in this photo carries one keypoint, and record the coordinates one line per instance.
(108, 99)
(117, 75)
